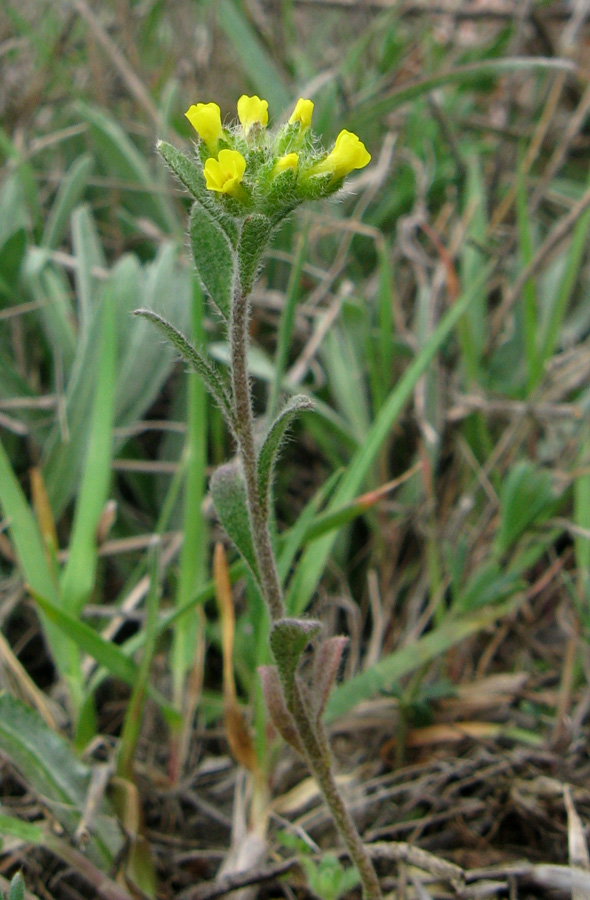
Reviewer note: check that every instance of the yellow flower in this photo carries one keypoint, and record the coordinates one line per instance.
(206, 120)
(225, 173)
(349, 153)
(302, 113)
(290, 161)
(252, 111)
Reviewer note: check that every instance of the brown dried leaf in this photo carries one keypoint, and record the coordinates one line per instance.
(325, 668)
(277, 708)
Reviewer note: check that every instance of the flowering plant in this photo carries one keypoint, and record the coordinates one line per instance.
(245, 179)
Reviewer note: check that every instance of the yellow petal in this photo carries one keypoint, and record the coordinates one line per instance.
(290, 161)
(225, 173)
(302, 113)
(252, 111)
(206, 120)
(348, 153)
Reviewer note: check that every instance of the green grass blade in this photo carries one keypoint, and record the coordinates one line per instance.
(287, 323)
(369, 109)
(315, 558)
(70, 192)
(122, 160)
(530, 303)
(256, 62)
(89, 256)
(23, 831)
(108, 655)
(78, 576)
(385, 674)
(53, 771)
(25, 533)
(193, 553)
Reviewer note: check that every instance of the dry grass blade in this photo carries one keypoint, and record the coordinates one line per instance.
(577, 847)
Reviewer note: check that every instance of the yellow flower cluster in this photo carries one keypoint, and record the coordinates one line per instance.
(225, 169)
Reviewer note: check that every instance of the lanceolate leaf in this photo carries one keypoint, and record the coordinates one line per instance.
(189, 173)
(272, 442)
(277, 708)
(207, 371)
(228, 493)
(53, 771)
(214, 257)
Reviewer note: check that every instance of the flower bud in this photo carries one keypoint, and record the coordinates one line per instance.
(302, 113)
(252, 111)
(348, 153)
(206, 120)
(283, 163)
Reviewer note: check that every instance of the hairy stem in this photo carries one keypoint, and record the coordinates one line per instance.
(315, 743)
(319, 760)
(242, 400)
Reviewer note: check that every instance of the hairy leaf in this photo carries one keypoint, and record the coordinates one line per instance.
(325, 668)
(214, 257)
(207, 371)
(288, 640)
(277, 708)
(272, 442)
(228, 493)
(253, 240)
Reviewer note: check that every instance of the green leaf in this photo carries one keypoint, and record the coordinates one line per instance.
(254, 238)
(70, 192)
(253, 56)
(189, 173)
(228, 493)
(272, 442)
(23, 831)
(288, 640)
(53, 771)
(106, 654)
(206, 370)
(526, 498)
(385, 674)
(315, 558)
(214, 257)
(17, 888)
(78, 576)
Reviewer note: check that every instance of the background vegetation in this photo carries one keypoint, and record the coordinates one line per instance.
(435, 507)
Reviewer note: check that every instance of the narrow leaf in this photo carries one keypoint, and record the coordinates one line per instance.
(206, 370)
(214, 257)
(325, 668)
(228, 493)
(254, 237)
(55, 774)
(277, 708)
(272, 442)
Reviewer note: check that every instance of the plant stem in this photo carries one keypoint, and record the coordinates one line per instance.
(319, 760)
(315, 743)
(242, 401)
